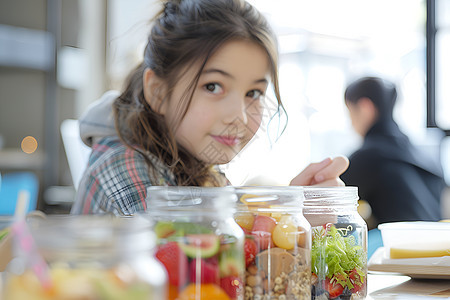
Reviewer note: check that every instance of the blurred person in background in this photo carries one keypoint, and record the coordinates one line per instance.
(398, 181)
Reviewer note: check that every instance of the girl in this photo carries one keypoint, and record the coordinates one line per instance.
(194, 103)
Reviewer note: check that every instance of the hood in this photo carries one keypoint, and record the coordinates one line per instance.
(392, 143)
(98, 121)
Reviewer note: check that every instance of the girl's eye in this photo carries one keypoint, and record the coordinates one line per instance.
(214, 88)
(255, 94)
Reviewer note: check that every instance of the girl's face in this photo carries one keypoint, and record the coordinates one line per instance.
(227, 104)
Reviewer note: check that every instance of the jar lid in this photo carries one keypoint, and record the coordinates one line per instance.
(270, 198)
(184, 200)
(330, 196)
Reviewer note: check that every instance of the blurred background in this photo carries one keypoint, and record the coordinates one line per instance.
(58, 56)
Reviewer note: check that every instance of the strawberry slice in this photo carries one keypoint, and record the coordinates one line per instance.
(250, 250)
(175, 262)
(204, 271)
(232, 285)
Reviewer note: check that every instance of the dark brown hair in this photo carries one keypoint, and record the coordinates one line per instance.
(186, 33)
(381, 92)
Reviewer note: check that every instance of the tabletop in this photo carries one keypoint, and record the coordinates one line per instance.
(400, 287)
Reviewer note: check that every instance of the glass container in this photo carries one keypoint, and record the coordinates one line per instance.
(339, 243)
(86, 257)
(277, 244)
(198, 241)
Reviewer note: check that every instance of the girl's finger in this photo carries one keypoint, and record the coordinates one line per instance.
(307, 175)
(333, 170)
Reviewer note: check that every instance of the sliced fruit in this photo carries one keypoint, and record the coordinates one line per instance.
(200, 245)
(172, 292)
(232, 285)
(230, 266)
(175, 262)
(164, 229)
(245, 220)
(264, 223)
(277, 216)
(263, 240)
(184, 228)
(204, 271)
(250, 251)
(206, 291)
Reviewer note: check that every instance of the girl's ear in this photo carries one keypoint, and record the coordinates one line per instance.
(152, 86)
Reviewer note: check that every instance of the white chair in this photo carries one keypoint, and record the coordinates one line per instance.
(76, 151)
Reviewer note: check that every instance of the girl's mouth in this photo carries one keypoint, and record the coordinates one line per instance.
(227, 140)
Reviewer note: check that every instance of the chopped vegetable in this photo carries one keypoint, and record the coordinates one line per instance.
(337, 260)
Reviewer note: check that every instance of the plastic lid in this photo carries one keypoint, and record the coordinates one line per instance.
(415, 225)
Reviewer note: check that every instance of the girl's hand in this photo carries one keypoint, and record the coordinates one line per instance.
(324, 173)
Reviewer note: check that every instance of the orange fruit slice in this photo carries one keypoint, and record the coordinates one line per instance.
(207, 291)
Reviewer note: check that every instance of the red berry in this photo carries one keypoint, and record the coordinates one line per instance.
(204, 271)
(232, 285)
(250, 250)
(175, 262)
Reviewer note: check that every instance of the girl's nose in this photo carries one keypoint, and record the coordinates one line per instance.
(236, 111)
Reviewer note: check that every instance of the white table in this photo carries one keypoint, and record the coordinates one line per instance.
(398, 287)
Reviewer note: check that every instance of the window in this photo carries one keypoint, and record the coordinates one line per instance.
(324, 45)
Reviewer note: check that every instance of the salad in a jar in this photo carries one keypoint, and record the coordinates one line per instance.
(338, 264)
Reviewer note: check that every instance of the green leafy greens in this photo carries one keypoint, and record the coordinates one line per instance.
(337, 257)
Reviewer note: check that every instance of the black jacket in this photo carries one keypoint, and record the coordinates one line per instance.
(399, 182)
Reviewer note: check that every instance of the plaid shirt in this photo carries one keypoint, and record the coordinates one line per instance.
(116, 180)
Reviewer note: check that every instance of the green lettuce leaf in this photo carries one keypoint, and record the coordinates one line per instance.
(336, 257)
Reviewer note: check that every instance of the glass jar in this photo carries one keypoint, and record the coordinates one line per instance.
(278, 242)
(198, 241)
(339, 243)
(86, 257)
